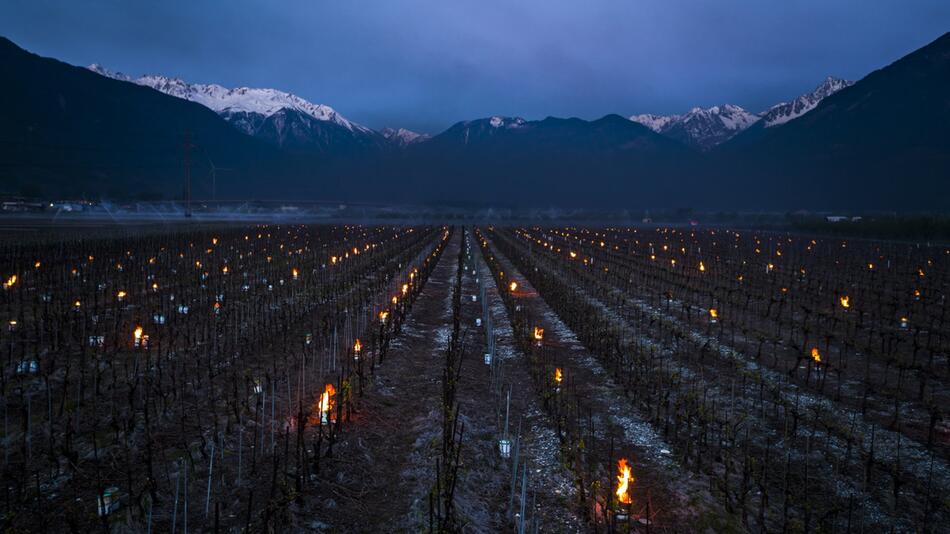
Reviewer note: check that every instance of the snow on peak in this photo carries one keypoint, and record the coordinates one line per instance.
(402, 136)
(222, 100)
(506, 122)
(102, 71)
(699, 127)
(786, 111)
(657, 123)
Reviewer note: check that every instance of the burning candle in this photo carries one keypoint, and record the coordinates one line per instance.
(538, 334)
(138, 338)
(623, 482)
(326, 404)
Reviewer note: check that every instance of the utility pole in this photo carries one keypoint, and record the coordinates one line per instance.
(187, 148)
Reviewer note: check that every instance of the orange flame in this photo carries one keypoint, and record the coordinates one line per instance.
(557, 375)
(623, 482)
(10, 281)
(405, 288)
(137, 336)
(845, 301)
(294, 272)
(713, 313)
(326, 403)
(357, 347)
(816, 354)
(383, 315)
(538, 333)
(513, 286)
(702, 267)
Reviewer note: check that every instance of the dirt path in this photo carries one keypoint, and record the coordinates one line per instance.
(382, 465)
(487, 498)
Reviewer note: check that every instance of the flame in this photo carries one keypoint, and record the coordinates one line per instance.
(357, 347)
(326, 403)
(10, 281)
(120, 295)
(816, 354)
(513, 286)
(845, 301)
(405, 288)
(573, 254)
(333, 260)
(214, 240)
(294, 272)
(713, 313)
(137, 336)
(871, 266)
(702, 267)
(538, 333)
(395, 299)
(383, 315)
(623, 482)
(224, 270)
(557, 375)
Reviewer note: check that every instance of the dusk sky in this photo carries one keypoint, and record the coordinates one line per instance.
(425, 64)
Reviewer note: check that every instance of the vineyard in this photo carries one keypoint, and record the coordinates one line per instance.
(320, 378)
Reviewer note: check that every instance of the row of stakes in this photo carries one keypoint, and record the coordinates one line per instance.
(507, 447)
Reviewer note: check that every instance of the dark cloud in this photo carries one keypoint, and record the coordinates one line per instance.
(424, 64)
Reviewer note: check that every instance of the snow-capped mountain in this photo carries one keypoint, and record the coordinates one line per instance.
(277, 116)
(701, 128)
(403, 137)
(786, 111)
(657, 123)
(706, 128)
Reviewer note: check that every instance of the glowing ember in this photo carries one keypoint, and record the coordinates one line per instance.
(623, 482)
(845, 301)
(816, 354)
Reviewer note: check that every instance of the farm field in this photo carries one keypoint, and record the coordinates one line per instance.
(351, 378)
